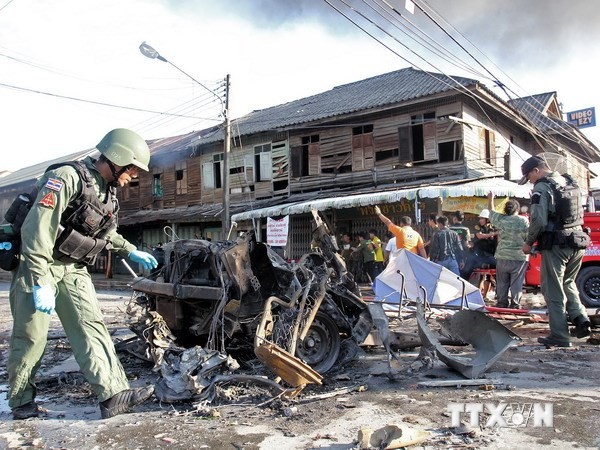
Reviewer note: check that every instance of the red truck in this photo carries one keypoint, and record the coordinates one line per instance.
(588, 279)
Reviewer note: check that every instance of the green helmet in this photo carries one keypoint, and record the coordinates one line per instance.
(124, 147)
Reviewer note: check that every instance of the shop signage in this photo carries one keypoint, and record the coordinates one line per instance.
(582, 118)
(277, 231)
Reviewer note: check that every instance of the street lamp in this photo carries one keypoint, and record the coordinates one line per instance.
(151, 53)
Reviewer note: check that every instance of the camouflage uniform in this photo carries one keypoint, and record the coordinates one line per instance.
(511, 262)
(76, 303)
(560, 265)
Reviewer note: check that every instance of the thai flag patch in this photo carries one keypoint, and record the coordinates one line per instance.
(55, 185)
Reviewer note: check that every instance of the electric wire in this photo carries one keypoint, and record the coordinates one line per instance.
(47, 68)
(524, 118)
(495, 79)
(534, 130)
(570, 133)
(420, 37)
(457, 87)
(93, 102)
(5, 5)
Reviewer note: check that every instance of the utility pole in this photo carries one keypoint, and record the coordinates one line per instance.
(226, 150)
(149, 52)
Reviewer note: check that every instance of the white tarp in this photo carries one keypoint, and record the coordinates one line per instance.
(442, 286)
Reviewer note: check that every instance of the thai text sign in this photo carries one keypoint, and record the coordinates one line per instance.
(582, 118)
(472, 205)
(277, 231)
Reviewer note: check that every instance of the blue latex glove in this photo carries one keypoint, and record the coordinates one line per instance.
(145, 259)
(44, 299)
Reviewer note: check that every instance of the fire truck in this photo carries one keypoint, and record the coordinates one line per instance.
(588, 279)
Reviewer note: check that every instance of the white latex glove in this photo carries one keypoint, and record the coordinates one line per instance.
(145, 259)
(377, 210)
(44, 299)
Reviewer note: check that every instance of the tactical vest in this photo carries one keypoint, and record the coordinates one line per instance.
(567, 204)
(83, 225)
(86, 221)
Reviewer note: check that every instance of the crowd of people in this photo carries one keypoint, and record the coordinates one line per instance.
(499, 246)
(450, 243)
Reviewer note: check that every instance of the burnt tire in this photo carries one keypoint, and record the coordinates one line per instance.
(588, 284)
(321, 346)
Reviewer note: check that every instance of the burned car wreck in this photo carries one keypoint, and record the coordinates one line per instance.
(242, 299)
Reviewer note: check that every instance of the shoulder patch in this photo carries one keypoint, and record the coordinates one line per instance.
(54, 184)
(535, 198)
(48, 200)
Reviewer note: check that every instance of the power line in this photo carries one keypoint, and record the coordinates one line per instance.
(93, 102)
(567, 133)
(9, 2)
(525, 121)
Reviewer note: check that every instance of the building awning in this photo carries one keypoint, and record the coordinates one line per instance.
(323, 204)
(478, 188)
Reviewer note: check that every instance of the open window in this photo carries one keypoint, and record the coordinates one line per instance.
(212, 172)
(417, 140)
(306, 159)
(263, 163)
(157, 182)
(181, 185)
(157, 189)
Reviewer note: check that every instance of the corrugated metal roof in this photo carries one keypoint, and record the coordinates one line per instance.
(376, 92)
(186, 214)
(181, 214)
(33, 172)
(534, 107)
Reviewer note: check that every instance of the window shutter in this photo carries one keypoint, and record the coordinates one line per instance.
(492, 148)
(249, 168)
(314, 159)
(358, 154)
(430, 151)
(368, 150)
(208, 177)
(482, 147)
(404, 150)
(266, 166)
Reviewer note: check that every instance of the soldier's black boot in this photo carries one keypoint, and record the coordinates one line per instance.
(124, 401)
(26, 411)
(550, 341)
(582, 327)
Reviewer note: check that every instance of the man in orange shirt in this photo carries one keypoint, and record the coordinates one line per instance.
(406, 237)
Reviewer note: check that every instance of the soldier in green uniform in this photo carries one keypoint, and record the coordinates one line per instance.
(511, 262)
(367, 252)
(71, 220)
(555, 223)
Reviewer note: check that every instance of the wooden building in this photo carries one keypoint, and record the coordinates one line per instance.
(391, 133)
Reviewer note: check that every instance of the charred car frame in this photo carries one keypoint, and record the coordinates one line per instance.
(238, 296)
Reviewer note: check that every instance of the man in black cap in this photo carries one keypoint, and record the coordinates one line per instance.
(555, 223)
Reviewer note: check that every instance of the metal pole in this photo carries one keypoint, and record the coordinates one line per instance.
(226, 150)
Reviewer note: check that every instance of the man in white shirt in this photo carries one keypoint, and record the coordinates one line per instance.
(389, 248)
